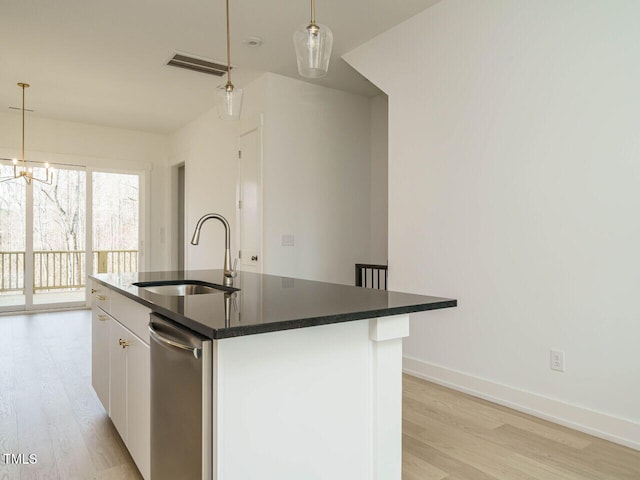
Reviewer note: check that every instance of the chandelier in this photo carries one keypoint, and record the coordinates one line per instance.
(20, 167)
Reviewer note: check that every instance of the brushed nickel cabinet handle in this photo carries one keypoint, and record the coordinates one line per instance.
(124, 344)
(103, 318)
(93, 290)
(102, 297)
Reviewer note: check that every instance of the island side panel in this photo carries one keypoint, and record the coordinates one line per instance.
(386, 336)
(310, 403)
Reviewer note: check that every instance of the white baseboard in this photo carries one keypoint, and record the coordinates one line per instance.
(619, 430)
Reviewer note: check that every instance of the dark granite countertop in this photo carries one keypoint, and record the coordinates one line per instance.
(266, 303)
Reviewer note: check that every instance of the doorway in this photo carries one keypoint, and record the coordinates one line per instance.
(116, 222)
(181, 217)
(46, 251)
(43, 240)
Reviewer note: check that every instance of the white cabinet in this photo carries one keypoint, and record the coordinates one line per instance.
(138, 404)
(100, 297)
(118, 391)
(120, 369)
(100, 355)
(130, 393)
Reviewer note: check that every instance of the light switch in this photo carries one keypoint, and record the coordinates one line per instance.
(288, 240)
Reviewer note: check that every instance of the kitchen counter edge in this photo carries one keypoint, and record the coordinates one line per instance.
(230, 332)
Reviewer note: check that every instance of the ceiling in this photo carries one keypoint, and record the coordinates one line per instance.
(103, 62)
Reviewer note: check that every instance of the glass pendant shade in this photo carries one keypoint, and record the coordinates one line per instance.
(313, 44)
(229, 101)
(229, 98)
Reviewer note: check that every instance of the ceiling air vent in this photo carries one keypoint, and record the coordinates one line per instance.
(197, 64)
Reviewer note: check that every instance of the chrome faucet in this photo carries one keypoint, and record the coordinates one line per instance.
(229, 273)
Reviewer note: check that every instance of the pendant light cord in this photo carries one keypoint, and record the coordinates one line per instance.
(23, 87)
(313, 12)
(228, 48)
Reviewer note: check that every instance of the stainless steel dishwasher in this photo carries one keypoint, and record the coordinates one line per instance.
(181, 428)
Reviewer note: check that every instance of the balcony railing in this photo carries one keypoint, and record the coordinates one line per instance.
(371, 276)
(115, 261)
(55, 270)
(61, 269)
(11, 271)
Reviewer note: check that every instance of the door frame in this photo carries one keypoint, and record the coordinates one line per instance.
(144, 197)
(28, 288)
(172, 206)
(28, 266)
(143, 235)
(248, 126)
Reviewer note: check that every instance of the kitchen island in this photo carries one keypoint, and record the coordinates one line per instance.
(306, 377)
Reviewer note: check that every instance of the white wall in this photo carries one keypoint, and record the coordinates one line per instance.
(316, 178)
(379, 204)
(207, 147)
(513, 186)
(100, 147)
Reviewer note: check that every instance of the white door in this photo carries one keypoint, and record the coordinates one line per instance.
(118, 371)
(42, 239)
(250, 196)
(52, 236)
(138, 402)
(100, 355)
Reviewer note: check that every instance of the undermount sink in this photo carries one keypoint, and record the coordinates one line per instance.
(181, 288)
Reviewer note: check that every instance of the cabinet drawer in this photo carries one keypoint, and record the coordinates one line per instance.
(131, 314)
(101, 297)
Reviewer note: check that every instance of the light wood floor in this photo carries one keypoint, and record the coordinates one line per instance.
(47, 407)
(453, 436)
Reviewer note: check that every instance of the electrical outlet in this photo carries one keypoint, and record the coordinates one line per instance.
(557, 360)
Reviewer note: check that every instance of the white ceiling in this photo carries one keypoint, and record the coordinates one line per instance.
(103, 62)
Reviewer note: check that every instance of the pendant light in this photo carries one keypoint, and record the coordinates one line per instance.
(313, 47)
(229, 96)
(21, 170)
